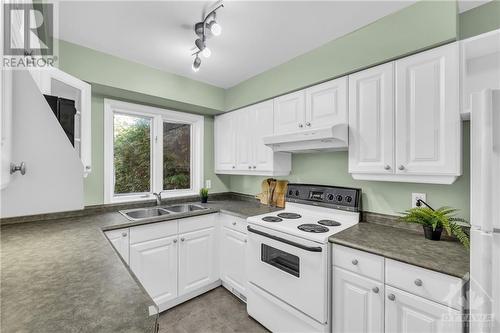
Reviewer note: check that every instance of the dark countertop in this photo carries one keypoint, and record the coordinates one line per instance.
(63, 275)
(445, 256)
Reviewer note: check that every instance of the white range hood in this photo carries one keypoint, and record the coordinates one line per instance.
(333, 138)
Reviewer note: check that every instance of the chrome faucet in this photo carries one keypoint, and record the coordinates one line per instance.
(158, 197)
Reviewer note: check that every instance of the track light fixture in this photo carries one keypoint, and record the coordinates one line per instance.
(208, 27)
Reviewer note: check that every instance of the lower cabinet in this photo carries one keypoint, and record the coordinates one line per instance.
(405, 313)
(154, 262)
(197, 260)
(120, 241)
(358, 303)
(233, 259)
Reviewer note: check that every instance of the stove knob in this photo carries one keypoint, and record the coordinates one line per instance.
(290, 192)
(330, 196)
(348, 199)
(297, 193)
(339, 198)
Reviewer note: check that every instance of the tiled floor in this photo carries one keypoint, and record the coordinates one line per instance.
(216, 311)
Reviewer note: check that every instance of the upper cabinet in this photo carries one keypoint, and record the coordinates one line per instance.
(289, 112)
(425, 123)
(326, 104)
(239, 148)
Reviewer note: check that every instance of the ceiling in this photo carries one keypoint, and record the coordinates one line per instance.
(256, 35)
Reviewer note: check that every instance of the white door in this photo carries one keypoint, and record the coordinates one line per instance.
(243, 136)
(405, 313)
(289, 113)
(224, 142)
(326, 104)
(197, 260)
(262, 126)
(371, 120)
(428, 124)
(120, 240)
(154, 262)
(233, 259)
(358, 303)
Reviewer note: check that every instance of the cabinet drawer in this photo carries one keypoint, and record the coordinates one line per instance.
(194, 223)
(234, 223)
(434, 286)
(359, 262)
(152, 231)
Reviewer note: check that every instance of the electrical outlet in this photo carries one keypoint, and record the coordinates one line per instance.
(208, 183)
(415, 197)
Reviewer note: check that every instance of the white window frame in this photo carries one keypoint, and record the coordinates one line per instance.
(158, 116)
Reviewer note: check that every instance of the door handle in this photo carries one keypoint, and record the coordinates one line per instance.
(286, 241)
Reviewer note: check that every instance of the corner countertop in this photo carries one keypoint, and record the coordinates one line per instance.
(444, 256)
(63, 275)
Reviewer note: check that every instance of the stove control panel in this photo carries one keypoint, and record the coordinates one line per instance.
(345, 198)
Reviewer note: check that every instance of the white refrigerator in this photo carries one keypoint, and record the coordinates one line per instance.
(484, 292)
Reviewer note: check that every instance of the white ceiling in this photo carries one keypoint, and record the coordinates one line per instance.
(465, 5)
(256, 35)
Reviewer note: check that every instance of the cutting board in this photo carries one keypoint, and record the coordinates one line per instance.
(273, 192)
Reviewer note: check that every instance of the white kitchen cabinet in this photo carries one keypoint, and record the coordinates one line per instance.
(240, 149)
(289, 112)
(225, 152)
(198, 264)
(358, 303)
(422, 141)
(154, 262)
(326, 104)
(233, 259)
(405, 312)
(428, 123)
(119, 238)
(371, 120)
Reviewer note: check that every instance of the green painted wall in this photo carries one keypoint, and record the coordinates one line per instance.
(422, 25)
(480, 19)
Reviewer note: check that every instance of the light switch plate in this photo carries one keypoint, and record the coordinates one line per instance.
(208, 183)
(415, 197)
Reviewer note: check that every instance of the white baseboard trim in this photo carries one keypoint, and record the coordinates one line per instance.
(183, 298)
(235, 291)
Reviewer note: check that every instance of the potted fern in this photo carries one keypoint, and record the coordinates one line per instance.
(434, 221)
(204, 195)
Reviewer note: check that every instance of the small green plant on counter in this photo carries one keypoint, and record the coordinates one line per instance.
(204, 192)
(443, 217)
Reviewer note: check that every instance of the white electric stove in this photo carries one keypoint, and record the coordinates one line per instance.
(288, 257)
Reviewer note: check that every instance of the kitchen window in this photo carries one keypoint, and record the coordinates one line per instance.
(148, 149)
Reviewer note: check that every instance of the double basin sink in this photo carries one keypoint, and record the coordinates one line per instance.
(139, 214)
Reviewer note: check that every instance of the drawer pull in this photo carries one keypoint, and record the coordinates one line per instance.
(375, 290)
(175, 240)
(418, 283)
(182, 239)
(234, 223)
(355, 262)
(124, 234)
(391, 297)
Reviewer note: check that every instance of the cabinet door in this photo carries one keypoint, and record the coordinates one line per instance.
(233, 259)
(289, 113)
(197, 260)
(358, 303)
(120, 240)
(428, 124)
(243, 139)
(405, 312)
(154, 262)
(326, 104)
(262, 126)
(224, 142)
(371, 120)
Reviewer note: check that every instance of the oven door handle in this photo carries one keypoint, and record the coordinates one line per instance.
(286, 241)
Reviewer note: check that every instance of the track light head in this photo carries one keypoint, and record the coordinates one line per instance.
(198, 28)
(215, 28)
(200, 44)
(196, 63)
(206, 52)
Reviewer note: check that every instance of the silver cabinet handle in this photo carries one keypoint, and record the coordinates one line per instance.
(124, 234)
(234, 166)
(234, 223)
(375, 290)
(387, 167)
(249, 166)
(175, 240)
(300, 125)
(182, 239)
(391, 297)
(308, 124)
(15, 168)
(418, 282)
(401, 167)
(255, 167)
(354, 262)
(246, 240)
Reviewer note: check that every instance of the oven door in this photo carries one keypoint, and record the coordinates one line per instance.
(290, 268)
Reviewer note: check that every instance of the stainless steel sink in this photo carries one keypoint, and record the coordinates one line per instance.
(184, 208)
(143, 213)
